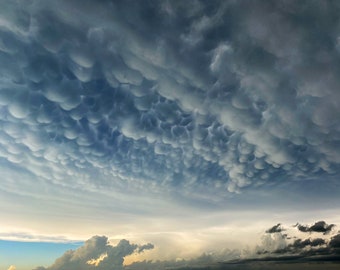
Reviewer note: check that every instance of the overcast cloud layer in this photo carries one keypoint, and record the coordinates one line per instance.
(170, 95)
(143, 114)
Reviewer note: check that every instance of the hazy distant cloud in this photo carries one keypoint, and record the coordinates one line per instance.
(320, 227)
(97, 252)
(199, 262)
(12, 267)
(31, 237)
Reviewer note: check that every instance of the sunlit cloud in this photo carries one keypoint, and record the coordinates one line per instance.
(97, 261)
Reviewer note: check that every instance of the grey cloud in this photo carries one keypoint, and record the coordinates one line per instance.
(320, 227)
(299, 244)
(278, 249)
(208, 103)
(97, 253)
(335, 242)
(301, 249)
(275, 229)
(145, 247)
(271, 243)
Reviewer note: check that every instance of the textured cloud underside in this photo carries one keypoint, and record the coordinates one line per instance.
(212, 96)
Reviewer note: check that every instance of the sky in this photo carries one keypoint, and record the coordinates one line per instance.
(154, 134)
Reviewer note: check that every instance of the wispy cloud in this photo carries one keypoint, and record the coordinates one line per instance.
(32, 237)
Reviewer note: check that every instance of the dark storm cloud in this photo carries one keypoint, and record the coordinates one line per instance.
(335, 242)
(320, 227)
(275, 229)
(299, 245)
(308, 242)
(183, 95)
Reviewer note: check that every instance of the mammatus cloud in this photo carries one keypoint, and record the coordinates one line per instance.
(97, 253)
(320, 227)
(226, 98)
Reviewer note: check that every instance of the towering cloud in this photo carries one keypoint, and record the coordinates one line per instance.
(97, 253)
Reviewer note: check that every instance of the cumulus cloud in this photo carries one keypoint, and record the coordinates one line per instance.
(212, 103)
(12, 267)
(97, 253)
(275, 248)
(283, 248)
